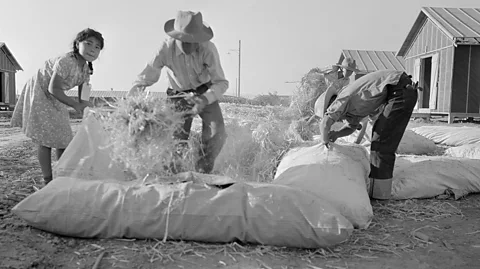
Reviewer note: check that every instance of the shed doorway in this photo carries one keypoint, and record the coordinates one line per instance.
(425, 81)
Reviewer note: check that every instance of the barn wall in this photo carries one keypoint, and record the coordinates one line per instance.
(3, 91)
(466, 80)
(431, 40)
(474, 82)
(5, 64)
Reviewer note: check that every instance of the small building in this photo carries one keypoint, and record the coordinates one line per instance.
(8, 68)
(373, 60)
(442, 53)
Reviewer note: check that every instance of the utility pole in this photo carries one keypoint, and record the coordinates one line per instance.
(239, 51)
(239, 59)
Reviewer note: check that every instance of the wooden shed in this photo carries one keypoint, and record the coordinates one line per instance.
(442, 52)
(8, 68)
(373, 60)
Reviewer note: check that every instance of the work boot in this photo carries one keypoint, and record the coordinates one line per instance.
(380, 189)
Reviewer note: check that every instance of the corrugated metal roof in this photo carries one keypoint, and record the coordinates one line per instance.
(110, 94)
(10, 56)
(373, 60)
(456, 23)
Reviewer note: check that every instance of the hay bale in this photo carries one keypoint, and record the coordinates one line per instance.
(470, 151)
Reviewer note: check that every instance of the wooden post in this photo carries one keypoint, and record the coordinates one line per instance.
(451, 118)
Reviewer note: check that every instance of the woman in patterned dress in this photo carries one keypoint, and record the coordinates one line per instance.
(41, 110)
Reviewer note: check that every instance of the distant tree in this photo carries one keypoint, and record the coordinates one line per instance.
(270, 99)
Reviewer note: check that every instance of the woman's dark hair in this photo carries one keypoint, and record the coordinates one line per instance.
(84, 35)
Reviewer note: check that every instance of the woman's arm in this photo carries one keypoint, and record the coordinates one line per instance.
(56, 87)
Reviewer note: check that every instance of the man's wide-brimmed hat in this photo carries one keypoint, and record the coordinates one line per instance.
(188, 27)
(349, 64)
(321, 105)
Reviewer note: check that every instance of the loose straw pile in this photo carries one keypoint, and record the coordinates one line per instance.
(141, 130)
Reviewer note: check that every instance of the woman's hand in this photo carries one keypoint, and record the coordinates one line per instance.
(80, 107)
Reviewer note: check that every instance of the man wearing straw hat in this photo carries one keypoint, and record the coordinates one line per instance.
(391, 90)
(196, 81)
(336, 76)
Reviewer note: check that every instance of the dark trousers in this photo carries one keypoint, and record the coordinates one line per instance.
(213, 128)
(390, 126)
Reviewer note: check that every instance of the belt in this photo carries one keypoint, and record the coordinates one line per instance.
(197, 91)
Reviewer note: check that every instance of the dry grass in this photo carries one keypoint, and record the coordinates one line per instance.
(311, 87)
(417, 210)
(252, 151)
(141, 130)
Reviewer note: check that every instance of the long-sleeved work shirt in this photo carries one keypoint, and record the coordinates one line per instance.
(362, 98)
(186, 72)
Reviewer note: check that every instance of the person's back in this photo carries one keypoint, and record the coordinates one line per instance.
(366, 94)
(397, 94)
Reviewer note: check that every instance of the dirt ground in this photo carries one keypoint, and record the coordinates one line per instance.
(405, 234)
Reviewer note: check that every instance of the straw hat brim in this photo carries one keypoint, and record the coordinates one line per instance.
(321, 105)
(348, 68)
(202, 36)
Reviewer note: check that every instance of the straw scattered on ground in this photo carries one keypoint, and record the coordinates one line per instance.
(417, 210)
(382, 237)
(379, 239)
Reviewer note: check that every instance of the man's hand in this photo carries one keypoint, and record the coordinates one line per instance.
(199, 102)
(332, 136)
(326, 144)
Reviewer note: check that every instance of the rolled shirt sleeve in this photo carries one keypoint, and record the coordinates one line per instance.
(354, 123)
(338, 109)
(151, 73)
(186, 72)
